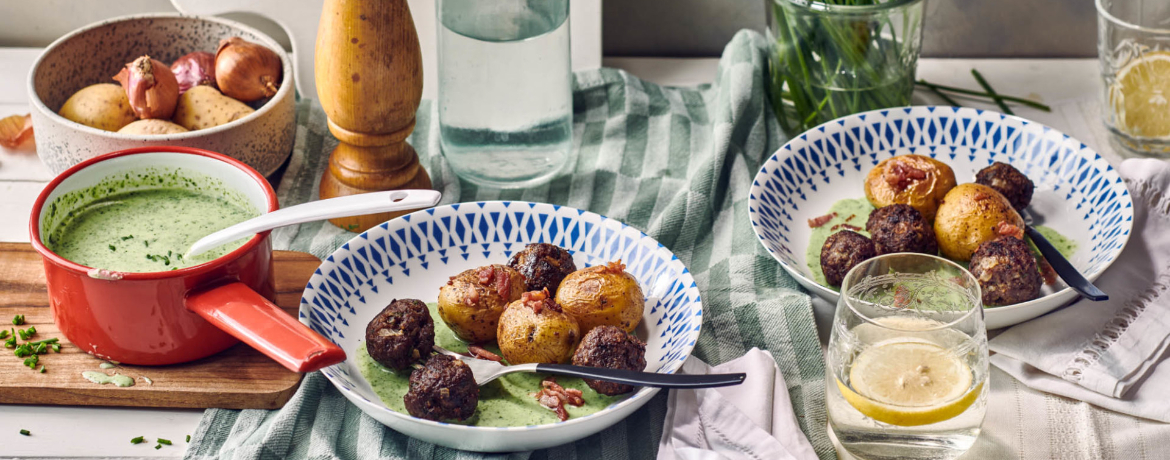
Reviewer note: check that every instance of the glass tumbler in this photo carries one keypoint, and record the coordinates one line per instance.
(906, 365)
(1133, 43)
(834, 58)
(505, 90)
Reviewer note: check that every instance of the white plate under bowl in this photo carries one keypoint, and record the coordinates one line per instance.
(413, 255)
(1077, 192)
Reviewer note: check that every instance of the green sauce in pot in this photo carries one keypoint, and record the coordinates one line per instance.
(143, 222)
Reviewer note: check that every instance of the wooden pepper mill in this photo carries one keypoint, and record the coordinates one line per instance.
(369, 79)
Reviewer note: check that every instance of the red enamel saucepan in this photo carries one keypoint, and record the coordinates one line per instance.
(176, 316)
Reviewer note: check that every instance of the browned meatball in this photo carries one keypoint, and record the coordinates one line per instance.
(1006, 271)
(842, 251)
(901, 228)
(1009, 182)
(401, 335)
(543, 266)
(443, 389)
(613, 348)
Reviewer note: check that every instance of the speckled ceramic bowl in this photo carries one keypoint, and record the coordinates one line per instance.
(95, 53)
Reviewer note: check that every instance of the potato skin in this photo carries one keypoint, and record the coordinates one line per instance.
(526, 336)
(205, 107)
(471, 308)
(968, 217)
(102, 106)
(916, 180)
(152, 126)
(602, 295)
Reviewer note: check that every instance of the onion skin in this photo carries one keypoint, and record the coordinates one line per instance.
(246, 71)
(151, 88)
(194, 69)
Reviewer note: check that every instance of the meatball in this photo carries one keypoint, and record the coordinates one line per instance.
(443, 389)
(1009, 182)
(543, 266)
(842, 251)
(613, 348)
(401, 335)
(1006, 271)
(472, 301)
(901, 228)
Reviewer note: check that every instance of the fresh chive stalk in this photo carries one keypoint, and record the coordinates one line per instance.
(25, 433)
(18, 320)
(165, 442)
(138, 440)
(987, 87)
(829, 64)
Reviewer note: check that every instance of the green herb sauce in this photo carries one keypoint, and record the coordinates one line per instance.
(502, 402)
(143, 223)
(101, 378)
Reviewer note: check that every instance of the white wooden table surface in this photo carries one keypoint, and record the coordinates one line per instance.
(106, 432)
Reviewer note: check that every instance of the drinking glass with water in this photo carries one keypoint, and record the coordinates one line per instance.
(505, 90)
(906, 366)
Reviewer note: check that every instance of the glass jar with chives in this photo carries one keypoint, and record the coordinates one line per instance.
(834, 58)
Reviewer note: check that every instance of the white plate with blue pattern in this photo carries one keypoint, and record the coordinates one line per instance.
(1077, 191)
(413, 255)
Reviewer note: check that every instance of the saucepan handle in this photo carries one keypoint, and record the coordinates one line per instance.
(238, 310)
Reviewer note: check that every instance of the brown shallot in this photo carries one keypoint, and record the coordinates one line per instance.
(151, 88)
(15, 130)
(246, 71)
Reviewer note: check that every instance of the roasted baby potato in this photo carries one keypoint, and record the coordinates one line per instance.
(472, 301)
(970, 215)
(918, 181)
(602, 294)
(535, 329)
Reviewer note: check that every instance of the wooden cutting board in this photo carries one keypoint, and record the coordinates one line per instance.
(238, 378)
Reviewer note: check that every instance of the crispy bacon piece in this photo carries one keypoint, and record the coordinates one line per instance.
(538, 301)
(1046, 271)
(553, 396)
(615, 267)
(901, 297)
(477, 351)
(485, 274)
(900, 175)
(16, 130)
(503, 283)
(822, 220)
(1004, 228)
(472, 297)
(850, 227)
(851, 216)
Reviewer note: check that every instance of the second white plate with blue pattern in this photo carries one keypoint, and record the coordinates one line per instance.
(1077, 191)
(413, 255)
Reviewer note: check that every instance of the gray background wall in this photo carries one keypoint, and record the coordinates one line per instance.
(683, 28)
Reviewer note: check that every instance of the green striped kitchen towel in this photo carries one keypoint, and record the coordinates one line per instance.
(674, 162)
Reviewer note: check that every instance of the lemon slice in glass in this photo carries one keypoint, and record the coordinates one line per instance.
(1141, 96)
(909, 383)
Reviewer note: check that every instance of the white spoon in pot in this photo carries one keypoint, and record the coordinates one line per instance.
(353, 205)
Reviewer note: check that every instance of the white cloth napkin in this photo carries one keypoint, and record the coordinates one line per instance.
(1108, 353)
(750, 421)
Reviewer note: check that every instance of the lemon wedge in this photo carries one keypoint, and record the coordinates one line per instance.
(1141, 96)
(909, 383)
